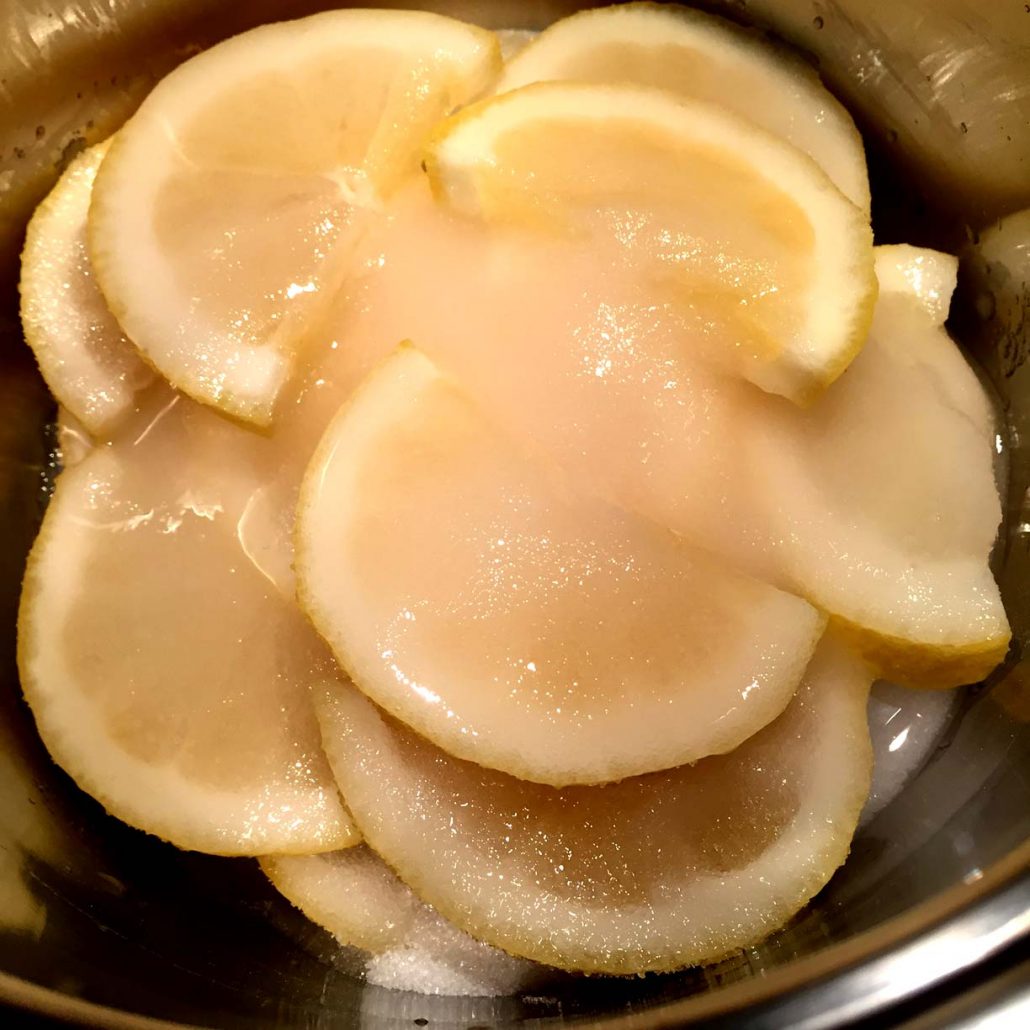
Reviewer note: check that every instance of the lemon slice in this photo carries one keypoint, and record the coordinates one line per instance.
(167, 676)
(652, 873)
(230, 200)
(740, 229)
(85, 358)
(356, 897)
(882, 498)
(469, 591)
(706, 58)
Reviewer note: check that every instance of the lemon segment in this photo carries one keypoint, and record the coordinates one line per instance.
(916, 285)
(224, 214)
(653, 873)
(880, 501)
(698, 56)
(467, 588)
(91, 367)
(732, 224)
(166, 675)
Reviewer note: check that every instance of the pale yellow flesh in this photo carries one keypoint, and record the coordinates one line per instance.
(87, 361)
(167, 675)
(701, 57)
(916, 285)
(467, 589)
(356, 897)
(225, 213)
(656, 872)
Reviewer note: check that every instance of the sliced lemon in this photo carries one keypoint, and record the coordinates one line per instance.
(166, 675)
(86, 359)
(467, 589)
(229, 201)
(696, 55)
(357, 897)
(652, 873)
(881, 498)
(741, 230)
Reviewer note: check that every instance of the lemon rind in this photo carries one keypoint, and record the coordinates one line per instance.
(159, 802)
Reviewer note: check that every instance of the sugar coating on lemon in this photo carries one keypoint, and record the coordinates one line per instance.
(166, 675)
(653, 873)
(357, 897)
(731, 223)
(697, 55)
(467, 588)
(91, 367)
(224, 214)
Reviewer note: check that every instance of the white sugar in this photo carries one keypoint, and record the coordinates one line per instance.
(440, 959)
(905, 726)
